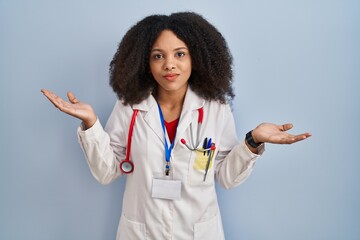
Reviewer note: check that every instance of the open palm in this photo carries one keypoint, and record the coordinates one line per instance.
(74, 107)
(272, 133)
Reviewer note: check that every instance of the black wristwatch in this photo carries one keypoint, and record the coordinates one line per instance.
(250, 140)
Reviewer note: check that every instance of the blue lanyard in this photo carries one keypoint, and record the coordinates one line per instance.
(166, 145)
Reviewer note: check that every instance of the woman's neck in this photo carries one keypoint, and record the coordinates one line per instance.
(171, 104)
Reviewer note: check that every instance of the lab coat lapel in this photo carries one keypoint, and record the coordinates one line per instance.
(192, 103)
(151, 115)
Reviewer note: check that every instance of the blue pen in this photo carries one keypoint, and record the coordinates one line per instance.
(209, 146)
(205, 145)
(210, 155)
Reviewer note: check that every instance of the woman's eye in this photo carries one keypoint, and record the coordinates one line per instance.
(180, 54)
(157, 56)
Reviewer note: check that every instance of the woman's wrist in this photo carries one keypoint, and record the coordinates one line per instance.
(89, 123)
(251, 142)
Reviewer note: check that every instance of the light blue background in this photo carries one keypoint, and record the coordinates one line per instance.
(294, 61)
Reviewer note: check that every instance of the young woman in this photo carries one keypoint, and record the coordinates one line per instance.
(172, 131)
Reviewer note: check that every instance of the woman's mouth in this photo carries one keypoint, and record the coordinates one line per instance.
(171, 76)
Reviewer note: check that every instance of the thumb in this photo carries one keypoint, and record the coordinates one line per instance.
(72, 97)
(286, 126)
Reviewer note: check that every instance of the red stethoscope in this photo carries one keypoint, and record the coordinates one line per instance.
(195, 145)
(127, 166)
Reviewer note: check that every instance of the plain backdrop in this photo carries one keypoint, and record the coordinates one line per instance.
(294, 61)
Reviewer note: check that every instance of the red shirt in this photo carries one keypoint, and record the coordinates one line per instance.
(171, 129)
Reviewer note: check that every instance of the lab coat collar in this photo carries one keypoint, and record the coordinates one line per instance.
(146, 104)
(192, 103)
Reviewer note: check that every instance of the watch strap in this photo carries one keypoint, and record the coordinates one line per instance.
(250, 140)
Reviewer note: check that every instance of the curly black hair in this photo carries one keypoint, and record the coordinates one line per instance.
(211, 76)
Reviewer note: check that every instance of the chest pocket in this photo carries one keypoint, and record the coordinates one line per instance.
(201, 168)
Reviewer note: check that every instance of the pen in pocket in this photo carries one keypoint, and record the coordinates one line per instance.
(205, 145)
(209, 146)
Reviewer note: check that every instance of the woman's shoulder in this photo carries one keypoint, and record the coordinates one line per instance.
(120, 107)
(218, 105)
(215, 109)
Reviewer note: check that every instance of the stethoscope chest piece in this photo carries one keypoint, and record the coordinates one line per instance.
(126, 166)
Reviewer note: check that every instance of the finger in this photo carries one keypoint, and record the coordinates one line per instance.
(54, 99)
(50, 95)
(72, 97)
(47, 93)
(286, 127)
(299, 137)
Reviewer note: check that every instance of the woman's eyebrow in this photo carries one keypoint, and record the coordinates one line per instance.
(156, 50)
(176, 49)
(181, 48)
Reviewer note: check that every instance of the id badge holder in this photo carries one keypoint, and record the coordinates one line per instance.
(166, 188)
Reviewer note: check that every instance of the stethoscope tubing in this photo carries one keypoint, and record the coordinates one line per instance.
(126, 166)
(212, 148)
(200, 121)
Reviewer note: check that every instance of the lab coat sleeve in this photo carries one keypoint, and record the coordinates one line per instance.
(234, 160)
(102, 149)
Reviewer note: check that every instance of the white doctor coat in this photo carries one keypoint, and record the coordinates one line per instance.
(196, 215)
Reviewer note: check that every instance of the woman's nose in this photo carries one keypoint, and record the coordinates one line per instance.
(169, 64)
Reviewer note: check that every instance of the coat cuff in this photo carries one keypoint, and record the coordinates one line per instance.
(91, 134)
(249, 153)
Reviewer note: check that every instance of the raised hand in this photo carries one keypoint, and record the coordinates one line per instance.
(74, 107)
(271, 133)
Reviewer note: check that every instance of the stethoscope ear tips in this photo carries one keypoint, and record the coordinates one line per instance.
(212, 148)
(184, 142)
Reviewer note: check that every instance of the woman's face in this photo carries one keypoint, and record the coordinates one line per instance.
(170, 63)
